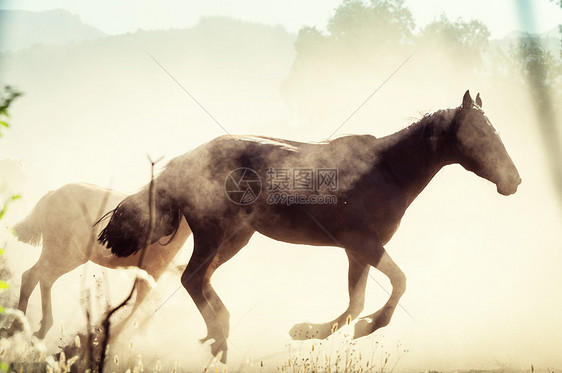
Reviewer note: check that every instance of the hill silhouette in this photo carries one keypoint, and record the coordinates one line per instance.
(22, 29)
(103, 88)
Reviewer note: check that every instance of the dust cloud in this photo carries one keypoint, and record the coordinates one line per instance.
(483, 269)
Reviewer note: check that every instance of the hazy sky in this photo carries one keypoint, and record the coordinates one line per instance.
(483, 271)
(129, 15)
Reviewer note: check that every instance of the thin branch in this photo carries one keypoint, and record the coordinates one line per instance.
(89, 248)
(106, 324)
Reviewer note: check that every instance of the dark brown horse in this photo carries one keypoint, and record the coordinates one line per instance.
(231, 187)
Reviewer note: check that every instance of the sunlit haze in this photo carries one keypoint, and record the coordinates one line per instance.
(107, 84)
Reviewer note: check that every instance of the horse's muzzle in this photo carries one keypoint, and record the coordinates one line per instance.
(509, 187)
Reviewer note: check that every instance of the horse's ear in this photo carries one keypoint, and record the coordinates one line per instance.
(478, 100)
(467, 100)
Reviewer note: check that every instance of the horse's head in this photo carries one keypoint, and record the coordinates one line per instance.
(479, 148)
(127, 230)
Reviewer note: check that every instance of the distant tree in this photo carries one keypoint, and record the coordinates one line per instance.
(377, 24)
(362, 37)
(560, 29)
(538, 65)
(309, 41)
(466, 42)
(358, 33)
(542, 74)
(310, 47)
(365, 41)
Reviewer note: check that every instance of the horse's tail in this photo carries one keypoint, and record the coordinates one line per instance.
(29, 229)
(127, 228)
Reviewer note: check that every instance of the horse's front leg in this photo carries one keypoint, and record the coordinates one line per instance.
(195, 280)
(386, 265)
(357, 280)
(208, 255)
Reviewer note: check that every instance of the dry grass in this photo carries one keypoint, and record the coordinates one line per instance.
(341, 353)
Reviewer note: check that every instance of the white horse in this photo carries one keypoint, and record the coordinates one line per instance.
(64, 220)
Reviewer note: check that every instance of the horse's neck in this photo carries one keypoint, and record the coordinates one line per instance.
(413, 156)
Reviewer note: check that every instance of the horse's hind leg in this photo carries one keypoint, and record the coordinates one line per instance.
(208, 253)
(357, 280)
(47, 320)
(50, 270)
(46, 274)
(29, 280)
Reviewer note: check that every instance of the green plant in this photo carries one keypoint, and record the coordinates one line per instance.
(7, 96)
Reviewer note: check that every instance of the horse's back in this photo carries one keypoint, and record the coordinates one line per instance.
(82, 201)
(272, 150)
(67, 214)
(212, 162)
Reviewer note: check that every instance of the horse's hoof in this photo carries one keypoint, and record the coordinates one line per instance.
(220, 348)
(363, 327)
(39, 335)
(304, 331)
(12, 329)
(223, 357)
(300, 332)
